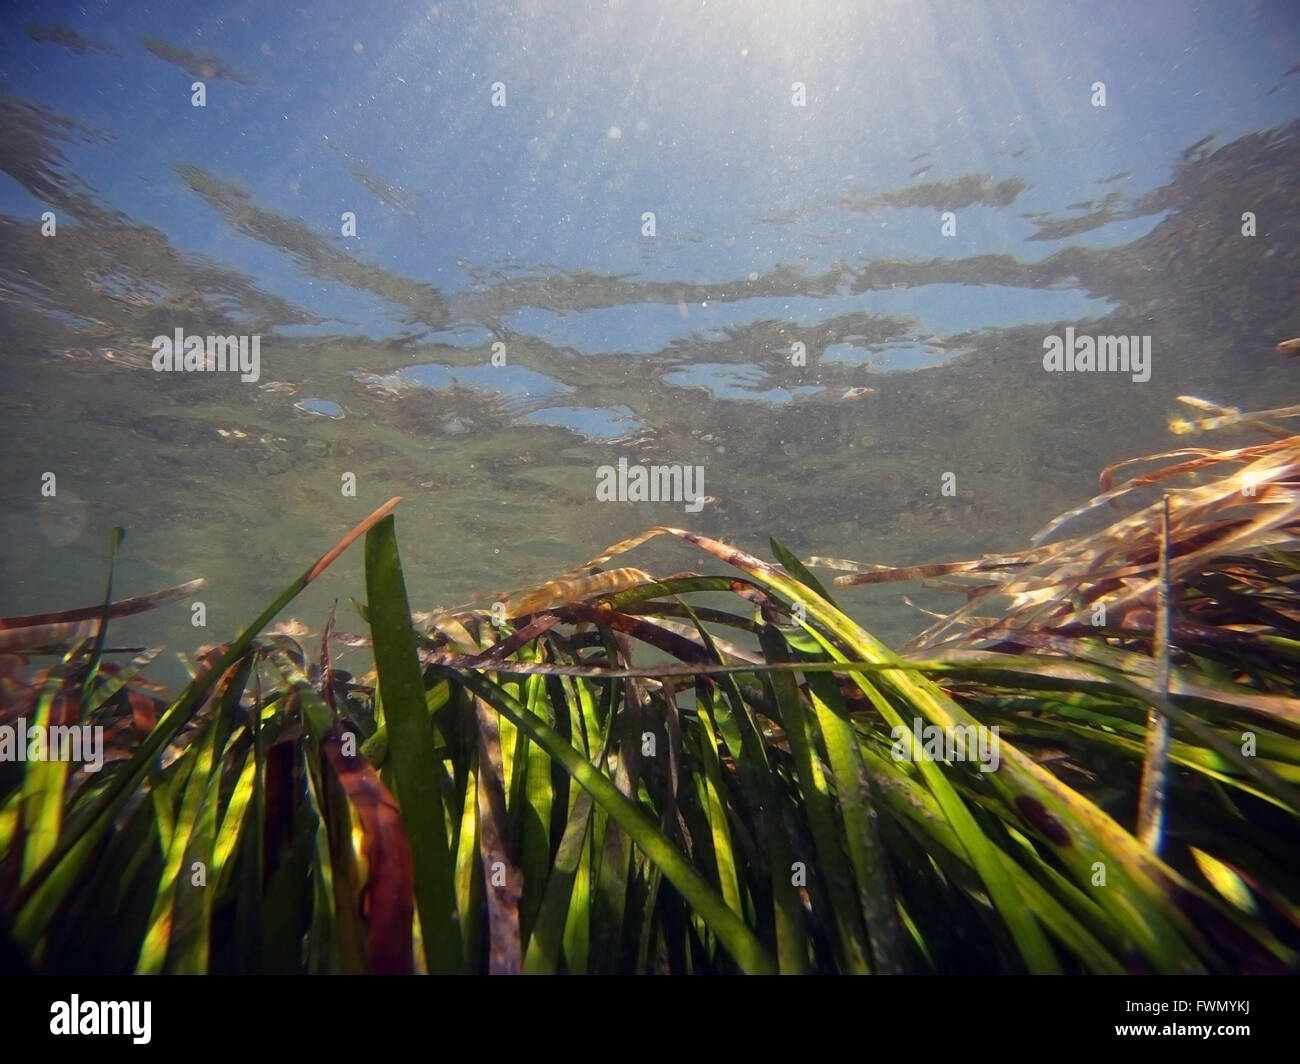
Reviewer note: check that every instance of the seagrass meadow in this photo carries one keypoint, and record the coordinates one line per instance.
(710, 770)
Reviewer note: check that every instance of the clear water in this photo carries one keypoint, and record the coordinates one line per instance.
(501, 162)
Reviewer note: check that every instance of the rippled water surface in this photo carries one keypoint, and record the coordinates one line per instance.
(814, 250)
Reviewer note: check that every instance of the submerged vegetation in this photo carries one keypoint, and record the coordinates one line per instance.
(704, 771)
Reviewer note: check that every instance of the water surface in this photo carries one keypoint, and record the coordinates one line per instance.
(465, 304)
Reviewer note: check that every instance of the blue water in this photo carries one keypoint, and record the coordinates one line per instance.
(436, 219)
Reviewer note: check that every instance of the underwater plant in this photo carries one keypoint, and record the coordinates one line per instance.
(1090, 766)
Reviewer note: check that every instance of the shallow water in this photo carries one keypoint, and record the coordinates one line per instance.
(504, 323)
